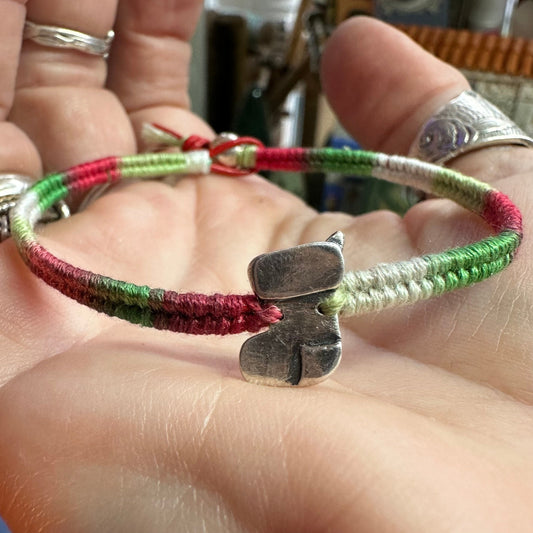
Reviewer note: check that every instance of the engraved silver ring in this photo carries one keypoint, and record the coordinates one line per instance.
(58, 37)
(468, 122)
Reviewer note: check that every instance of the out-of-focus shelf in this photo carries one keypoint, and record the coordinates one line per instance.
(499, 68)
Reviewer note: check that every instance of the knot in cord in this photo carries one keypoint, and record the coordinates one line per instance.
(231, 155)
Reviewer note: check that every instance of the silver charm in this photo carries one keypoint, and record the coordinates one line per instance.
(305, 346)
(11, 188)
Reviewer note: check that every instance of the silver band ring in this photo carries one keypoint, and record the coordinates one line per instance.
(466, 123)
(58, 37)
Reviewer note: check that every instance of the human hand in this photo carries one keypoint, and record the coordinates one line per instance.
(106, 426)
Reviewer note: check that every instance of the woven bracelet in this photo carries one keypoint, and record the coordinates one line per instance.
(299, 293)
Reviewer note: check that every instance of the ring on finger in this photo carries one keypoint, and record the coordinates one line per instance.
(467, 122)
(58, 37)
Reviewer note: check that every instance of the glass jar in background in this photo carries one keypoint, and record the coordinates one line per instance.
(522, 23)
(282, 11)
(486, 16)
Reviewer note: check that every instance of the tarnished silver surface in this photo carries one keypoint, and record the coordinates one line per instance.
(60, 210)
(11, 187)
(92, 195)
(58, 37)
(466, 123)
(4, 229)
(305, 346)
(228, 158)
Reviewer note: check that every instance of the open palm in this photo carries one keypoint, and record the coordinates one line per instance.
(104, 426)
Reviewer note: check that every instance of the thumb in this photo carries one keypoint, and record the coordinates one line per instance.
(382, 85)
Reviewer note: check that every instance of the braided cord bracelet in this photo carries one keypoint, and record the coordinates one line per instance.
(299, 292)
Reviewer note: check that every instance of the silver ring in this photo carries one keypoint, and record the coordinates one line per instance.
(466, 123)
(12, 186)
(58, 37)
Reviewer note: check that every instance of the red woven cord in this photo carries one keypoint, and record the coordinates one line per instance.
(192, 313)
(501, 213)
(290, 159)
(231, 314)
(84, 177)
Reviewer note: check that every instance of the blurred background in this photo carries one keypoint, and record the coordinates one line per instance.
(261, 75)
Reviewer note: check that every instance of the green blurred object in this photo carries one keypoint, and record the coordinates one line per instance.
(358, 195)
(382, 195)
(253, 120)
(252, 116)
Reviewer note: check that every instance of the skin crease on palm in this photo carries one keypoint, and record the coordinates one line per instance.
(425, 426)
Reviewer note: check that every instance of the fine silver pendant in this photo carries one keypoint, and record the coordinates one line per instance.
(304, 347)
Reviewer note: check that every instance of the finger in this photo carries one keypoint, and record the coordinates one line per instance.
(397, 87)
(60, 105)
(17, 154)
(394, 83)
(35, 324)
(150, 61)
(192, 448)
(479, 331)
(11, 24)
(59, 101)
(151, 52)
(45, 65)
